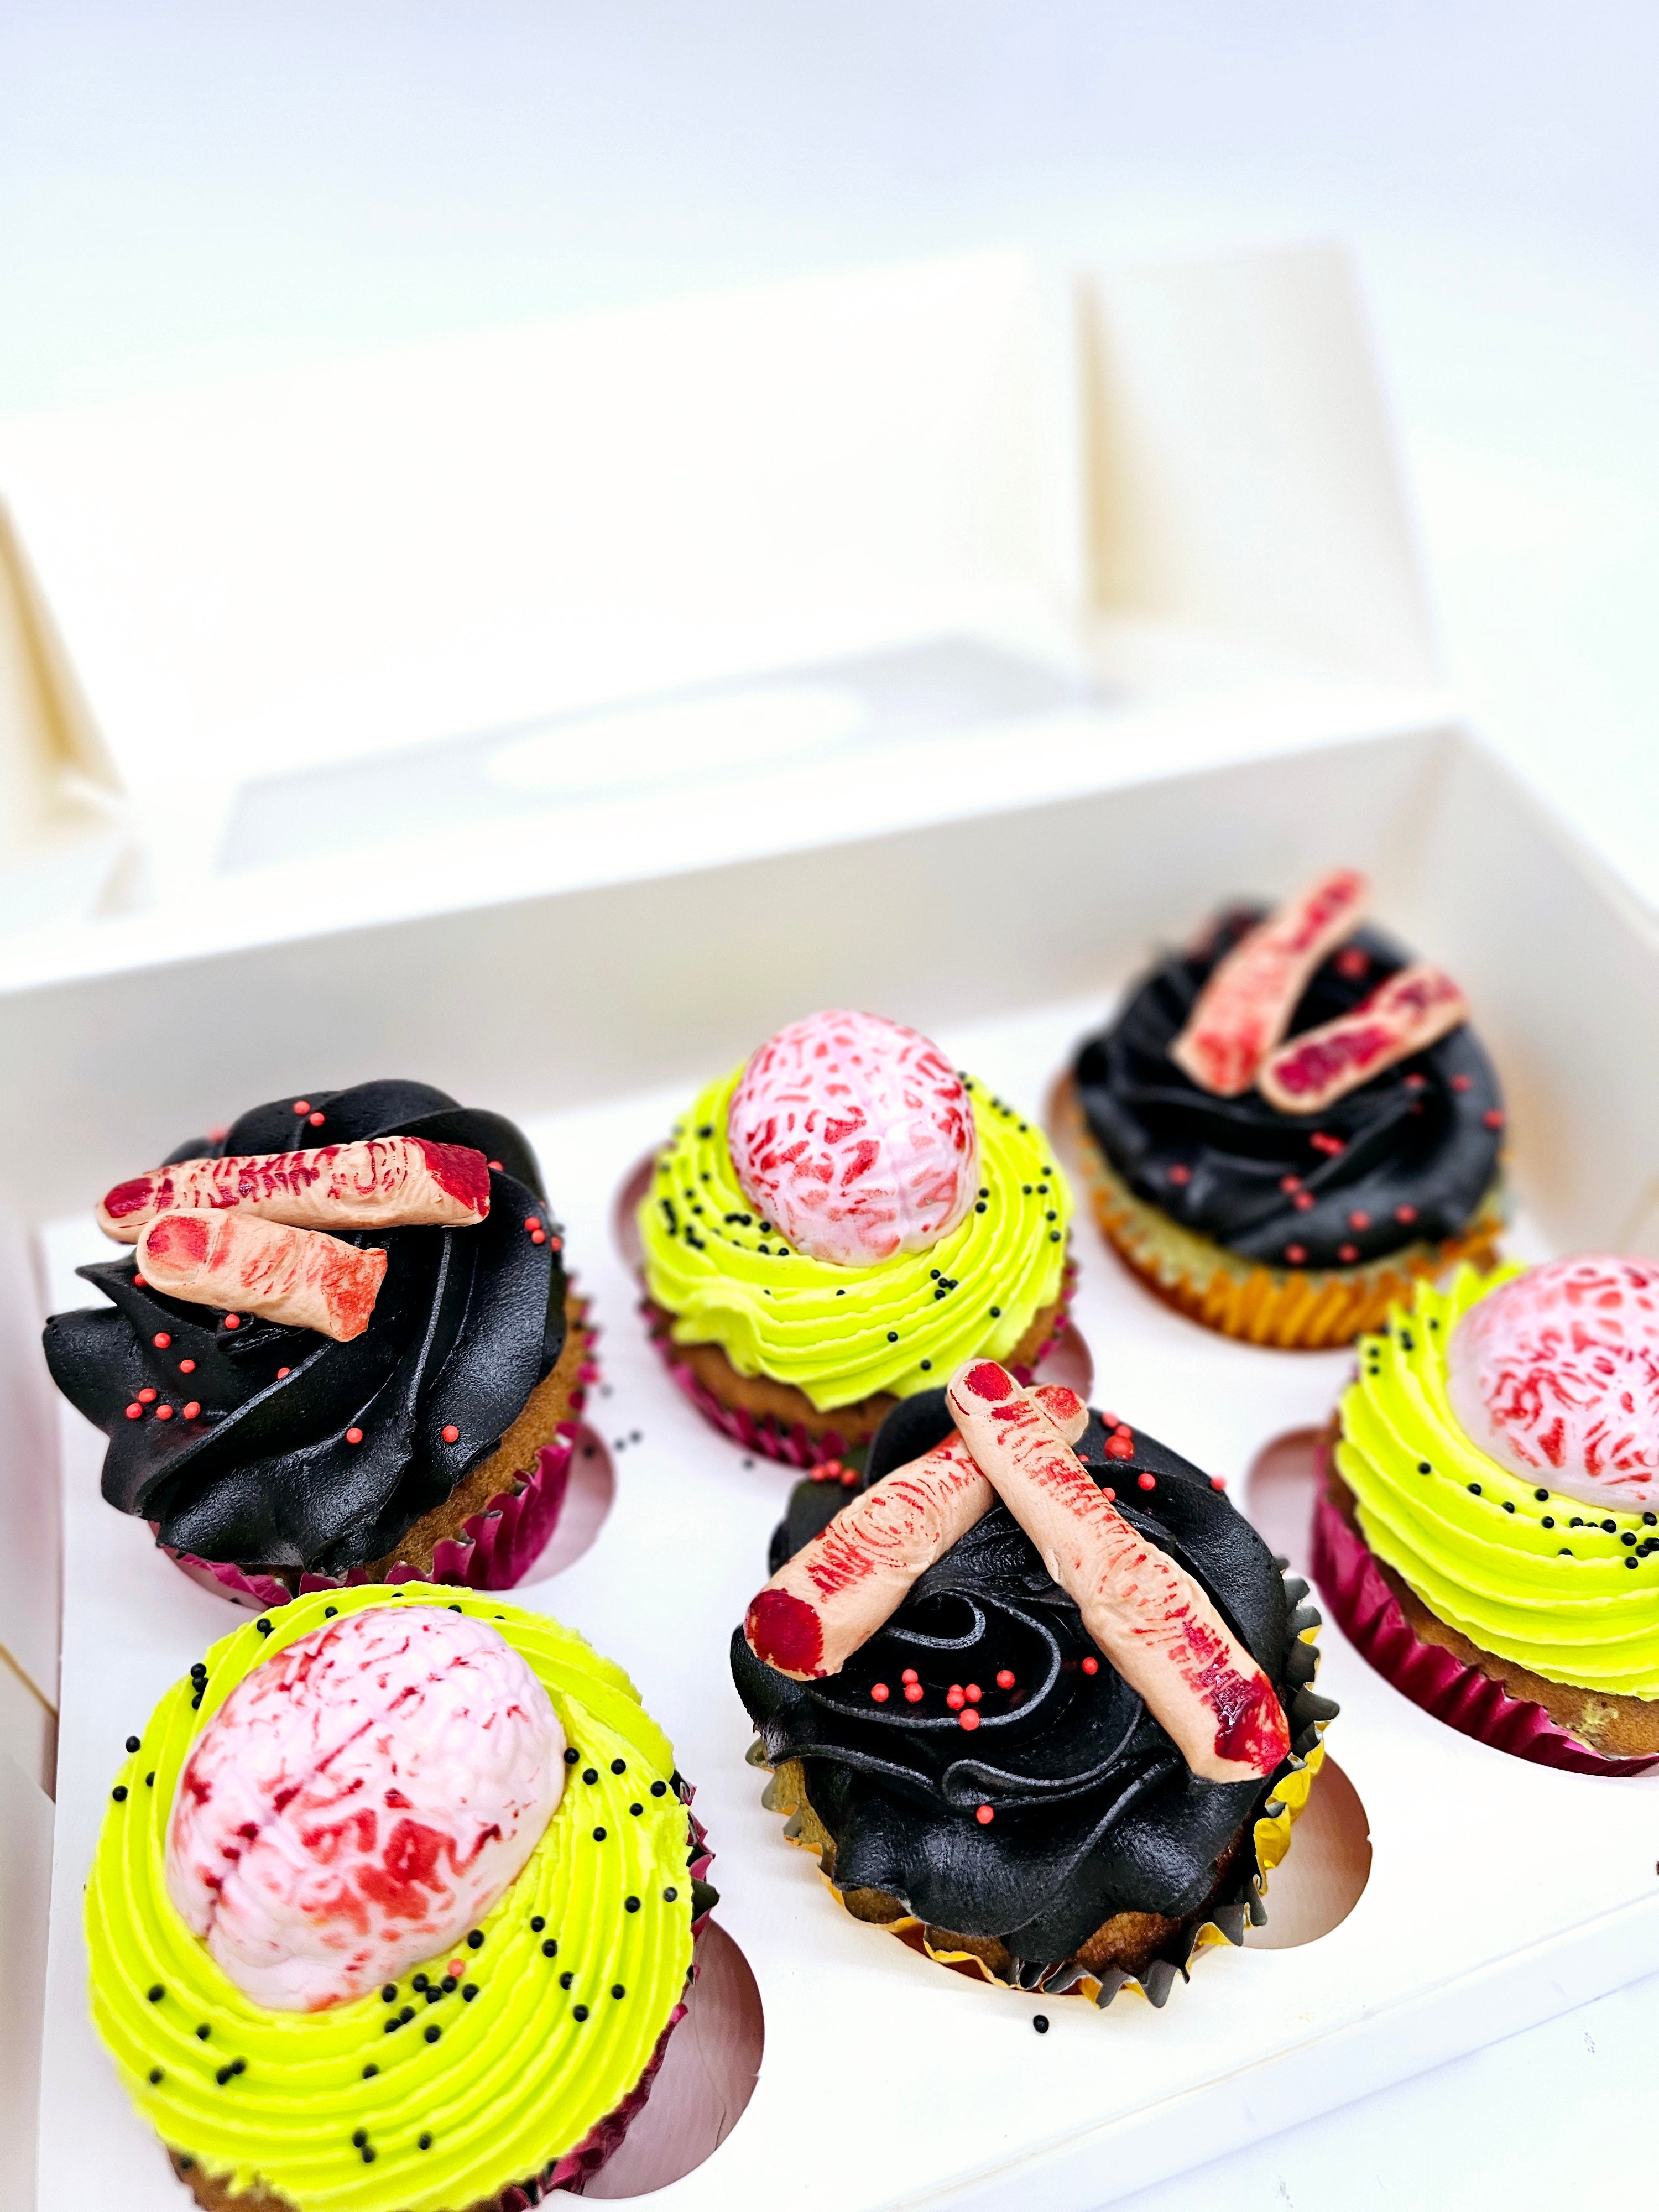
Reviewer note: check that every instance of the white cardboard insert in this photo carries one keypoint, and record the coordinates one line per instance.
(1499, 1893)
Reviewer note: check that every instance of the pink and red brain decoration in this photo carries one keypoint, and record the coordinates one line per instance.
(359, 1802)
(1556, 1376)
(855, 1138)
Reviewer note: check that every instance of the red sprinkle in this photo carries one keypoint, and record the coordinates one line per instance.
(354, 1436)
(1322, 1141)
(1416, 1082)
(880, 1692)
(1348, 1253)
(1352, 962)
(160, 1340)
(282, 1371)
(1360, 1221)
(187, 1366)
(1407, 1214)
(1303, 1201)
(192, 1409)
(147, 1397)
(910, 1675)
(1460, 1082)
(1119, 1447)
(914, 1693)
(1179, 1175)
(233, 1320)
(164, 1413)
(1147, 1481)
(538, 1237)
(135, 1411)
(556, 1244)
(956, 1697)
(1296, 1254)
(1493, 1118)
(1111, 1496)
(495, 1164)
(315, 1119)
(1005, 1677)
(973, 1693)
(1289, 1183)
(531, 1221)
(1217, 1482)
(450, 1434)
(139, 1284)
(302, 1105)
(984, 1816)
(849, 1476)
(969, 1719)
(1091, 1665)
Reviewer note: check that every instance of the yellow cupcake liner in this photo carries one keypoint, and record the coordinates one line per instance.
(1292, 1309)
(1270, 1838)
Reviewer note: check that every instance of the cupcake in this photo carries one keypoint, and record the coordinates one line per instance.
(343, 1348)
(1288, 1124)
(1055, 1786)
(393, 1908)
(836, 1224)
(1489, 1530)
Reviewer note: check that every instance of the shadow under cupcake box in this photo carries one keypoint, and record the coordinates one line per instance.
(1498, 1894)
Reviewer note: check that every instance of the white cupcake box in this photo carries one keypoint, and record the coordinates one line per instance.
(1498, 1892)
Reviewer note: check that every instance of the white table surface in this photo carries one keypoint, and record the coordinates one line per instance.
(186, 191)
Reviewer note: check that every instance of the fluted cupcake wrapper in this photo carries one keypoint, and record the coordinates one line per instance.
(496, 1548)
(1371, 1616)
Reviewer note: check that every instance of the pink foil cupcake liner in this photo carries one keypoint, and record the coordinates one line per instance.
(1371, 1617)
(795, 1446)
(496, 1550)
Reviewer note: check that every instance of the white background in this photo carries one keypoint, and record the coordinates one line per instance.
(189, 191)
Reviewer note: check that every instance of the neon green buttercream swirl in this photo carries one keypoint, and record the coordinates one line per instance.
(1546, 1581)
(512, 2077)
(842, 1333)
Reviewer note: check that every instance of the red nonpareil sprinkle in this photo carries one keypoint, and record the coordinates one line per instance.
(555, 1244)
(147, 1397)
(135, 1411)
(160, 1340)
(849, 1475)
(973, 1693)
(984, 1816)
(164, 1413)
(1179, 1175)
(283, 1371)
(233, 1320)
(315, 1119)
(1359, 1220)
(1111, 1496)
(538, 1237)
(1322, 1141)
(450, 1434)
(187, 1366)
(1091, 1665)
(1405, 1215)
(1303, 1201)
(458, 1967)
(1348, 1253)
(531, 1221)
(1289, 1184)
(497, 1165)
(914, 1693)
(1493, 1118)
(1119, 1447)
(192, 1409)
(880, 1692)
(139, 1284)
(910, 1675)
(1461, 1082)
(1147, 1481)
(302, 1105)
(1416, 1082)
(1296, 1254)
(967, 1719)
(354, 1436)
(1217, 1482)
(1005, 1677)
(956, 1697)
(1352, 962)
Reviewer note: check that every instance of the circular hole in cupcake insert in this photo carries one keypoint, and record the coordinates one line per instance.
(1323, 1877)
(707, 2077)
(590, 1493)
(1279, 1491)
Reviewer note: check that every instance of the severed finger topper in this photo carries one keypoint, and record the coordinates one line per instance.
(235, 1260)
(1146, 1613)
(1245, 1008)
(822, 1605)
(383, 1182)
(1408, 1012)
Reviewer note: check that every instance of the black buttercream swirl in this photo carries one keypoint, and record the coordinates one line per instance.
(467, 1322)
(1424, 1135)
(1096, 1811)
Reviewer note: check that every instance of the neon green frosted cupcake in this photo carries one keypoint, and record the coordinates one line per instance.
(839, 1223)
(393, 1908)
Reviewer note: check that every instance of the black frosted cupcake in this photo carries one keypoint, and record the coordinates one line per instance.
(1063, 1845)
(433, 1440)
(1291, 1216)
